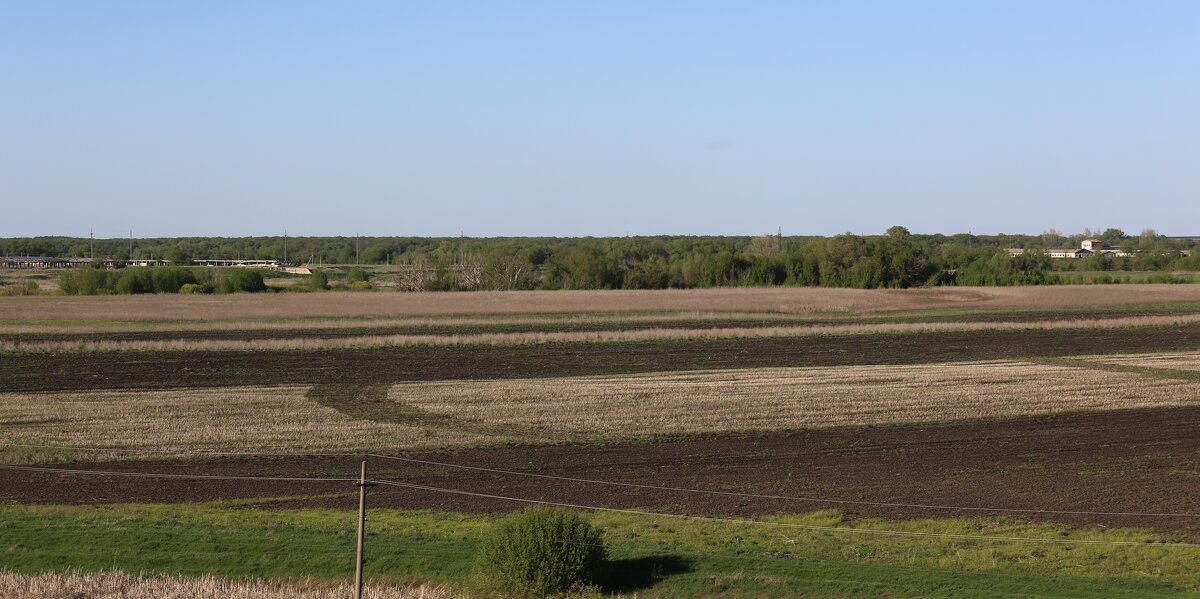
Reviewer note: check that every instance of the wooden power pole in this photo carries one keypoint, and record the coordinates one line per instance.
(362, 527)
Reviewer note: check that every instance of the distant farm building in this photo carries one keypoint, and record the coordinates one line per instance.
(271, 264)
(1087, 249)
(47, 262)
(35, 262)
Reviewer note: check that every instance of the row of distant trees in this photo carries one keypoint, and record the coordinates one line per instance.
(446, 250)
(895, 259)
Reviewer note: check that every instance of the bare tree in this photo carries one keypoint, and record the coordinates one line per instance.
(469, 274)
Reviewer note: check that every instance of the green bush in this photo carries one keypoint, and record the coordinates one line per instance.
(319, 280)
(541, 552)
(240, 279)
(191, 288)
(357, 275)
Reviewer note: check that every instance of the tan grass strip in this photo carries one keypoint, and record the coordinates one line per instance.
(323, 324)
(120, 585)
(625, 406)
(198, 422)
(792, 300)
(366, 341)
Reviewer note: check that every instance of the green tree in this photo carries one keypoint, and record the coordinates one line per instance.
(319, 280)
(541, 552)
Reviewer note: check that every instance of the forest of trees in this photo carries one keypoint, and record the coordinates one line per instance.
(895, 259)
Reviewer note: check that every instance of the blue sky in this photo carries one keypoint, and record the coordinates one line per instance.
(597, 118)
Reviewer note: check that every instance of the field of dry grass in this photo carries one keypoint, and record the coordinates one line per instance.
(798, 300)
(785, 398)
(1187, 361)
(119, 585)
(459, 413)
(191, 422)
(364, 341)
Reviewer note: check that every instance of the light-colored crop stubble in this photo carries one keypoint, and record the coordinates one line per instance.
(1188, 361)
(120, 585)
(389, 304)
(189, 422)
(785, 398)
(362, 341)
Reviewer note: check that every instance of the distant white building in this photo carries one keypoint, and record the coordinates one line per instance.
(1087, 249)
(271, 264)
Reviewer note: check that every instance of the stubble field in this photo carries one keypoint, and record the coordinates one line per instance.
(1070, 406)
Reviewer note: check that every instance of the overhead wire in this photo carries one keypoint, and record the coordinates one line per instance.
(791, 497)
(790, 525)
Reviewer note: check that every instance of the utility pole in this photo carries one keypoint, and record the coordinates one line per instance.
(131, 244)
(92, 245)
(285, 246)
(357, 253)
(362, 527)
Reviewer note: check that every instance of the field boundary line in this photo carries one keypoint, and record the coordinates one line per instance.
(788, 497)
(789, 525)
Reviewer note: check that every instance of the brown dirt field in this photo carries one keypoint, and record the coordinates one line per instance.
(1136, 460)
(774, 299)
(174, 369)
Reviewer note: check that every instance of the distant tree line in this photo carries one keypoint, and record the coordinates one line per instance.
(896, 259)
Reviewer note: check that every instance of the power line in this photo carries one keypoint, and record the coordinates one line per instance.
(813, 527)
(581, 480)
(175, 476)
(789, 497)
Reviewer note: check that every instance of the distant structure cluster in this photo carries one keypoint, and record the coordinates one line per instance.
(43, 262)
(1087, 249)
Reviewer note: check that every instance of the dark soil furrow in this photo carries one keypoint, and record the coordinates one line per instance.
(1126, 461)
(370, 366)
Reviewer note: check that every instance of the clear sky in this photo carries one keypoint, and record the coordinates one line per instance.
(598, 118)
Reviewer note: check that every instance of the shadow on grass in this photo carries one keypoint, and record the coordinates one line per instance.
(632, 574)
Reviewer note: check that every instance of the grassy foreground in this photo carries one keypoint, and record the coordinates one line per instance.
(650, 555)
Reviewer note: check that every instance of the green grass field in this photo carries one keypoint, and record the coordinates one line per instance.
(650, 555)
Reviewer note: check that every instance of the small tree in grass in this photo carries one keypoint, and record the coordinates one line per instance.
(319, 280)
(541, 552)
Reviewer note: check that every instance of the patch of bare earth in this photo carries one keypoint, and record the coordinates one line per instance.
(1144, 461)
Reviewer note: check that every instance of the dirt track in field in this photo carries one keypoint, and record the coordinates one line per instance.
(175, 369)
(1140, 461)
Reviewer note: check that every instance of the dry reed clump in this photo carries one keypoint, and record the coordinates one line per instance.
(795, 300)
(301, 343)
(120, 585)
(784, 398)
(193, 422)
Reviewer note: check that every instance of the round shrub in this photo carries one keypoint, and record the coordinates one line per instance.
(541, 552)
(239, 279)
(319, 280)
